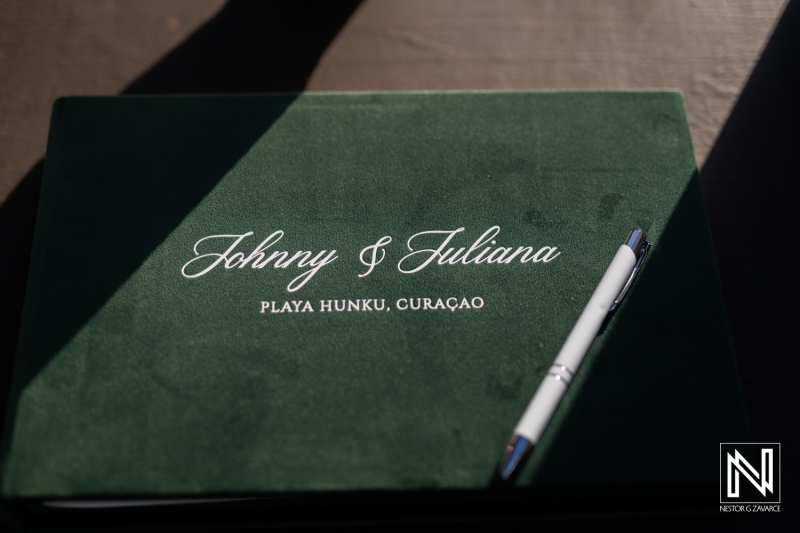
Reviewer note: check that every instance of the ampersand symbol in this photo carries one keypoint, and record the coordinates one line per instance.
(375, 260)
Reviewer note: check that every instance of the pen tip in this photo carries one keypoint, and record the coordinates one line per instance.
(516, 452)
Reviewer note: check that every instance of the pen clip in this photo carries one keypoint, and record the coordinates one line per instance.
(636, 268)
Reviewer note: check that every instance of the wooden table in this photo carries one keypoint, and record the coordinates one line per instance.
(736, 63)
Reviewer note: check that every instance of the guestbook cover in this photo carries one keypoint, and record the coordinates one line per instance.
(360, 292)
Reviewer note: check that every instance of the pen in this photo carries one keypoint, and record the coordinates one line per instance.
(604, 301)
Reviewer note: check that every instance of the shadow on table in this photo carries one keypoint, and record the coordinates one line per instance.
(751, 184)
(248, 47)
(751, 189)
(672, 358)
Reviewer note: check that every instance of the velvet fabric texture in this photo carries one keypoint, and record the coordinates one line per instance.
(165, 350)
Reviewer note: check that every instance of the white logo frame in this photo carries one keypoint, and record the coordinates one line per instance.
(763, 481)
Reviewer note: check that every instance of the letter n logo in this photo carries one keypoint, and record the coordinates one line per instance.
(749, 473)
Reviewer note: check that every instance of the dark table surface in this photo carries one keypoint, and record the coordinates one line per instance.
(736, 63)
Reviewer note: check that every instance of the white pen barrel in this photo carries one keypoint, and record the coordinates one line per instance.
(541, 408)
(588, 325)
(552, 389)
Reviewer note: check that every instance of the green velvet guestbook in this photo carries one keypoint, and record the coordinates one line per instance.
(341, 293)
